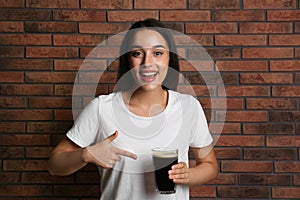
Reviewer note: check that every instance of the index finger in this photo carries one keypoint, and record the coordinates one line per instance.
(179, 165)
(125, 153)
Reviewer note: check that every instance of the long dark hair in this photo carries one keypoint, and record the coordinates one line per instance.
(171, 80)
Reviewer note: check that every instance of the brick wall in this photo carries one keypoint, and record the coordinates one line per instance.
(255, 44)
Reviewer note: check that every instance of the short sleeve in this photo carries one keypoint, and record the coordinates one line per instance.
(200, 136)
(85, 128)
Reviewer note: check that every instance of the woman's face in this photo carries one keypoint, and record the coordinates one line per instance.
(149, 58)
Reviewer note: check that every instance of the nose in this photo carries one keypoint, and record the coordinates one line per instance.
(148, 60)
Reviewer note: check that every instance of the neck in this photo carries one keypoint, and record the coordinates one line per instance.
(146, 102)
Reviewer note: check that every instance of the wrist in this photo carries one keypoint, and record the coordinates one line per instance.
(85, 155)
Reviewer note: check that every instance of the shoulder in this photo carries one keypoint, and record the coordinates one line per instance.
(185, 99)
(102, 99)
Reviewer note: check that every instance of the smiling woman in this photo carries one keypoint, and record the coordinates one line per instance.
(117, 132)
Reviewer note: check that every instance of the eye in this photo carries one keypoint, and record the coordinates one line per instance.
(136, 54)
(158, 53)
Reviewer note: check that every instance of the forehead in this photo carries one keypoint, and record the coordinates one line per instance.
(147, 38)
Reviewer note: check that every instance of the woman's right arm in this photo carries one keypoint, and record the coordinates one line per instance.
(67, 157)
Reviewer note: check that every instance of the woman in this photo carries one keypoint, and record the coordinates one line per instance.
(116, 132)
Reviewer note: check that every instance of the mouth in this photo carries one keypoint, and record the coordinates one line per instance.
(148, 76)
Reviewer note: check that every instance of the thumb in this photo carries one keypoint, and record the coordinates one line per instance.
(113, 136)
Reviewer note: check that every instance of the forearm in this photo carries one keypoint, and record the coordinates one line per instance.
(67, 162)
(202, 173)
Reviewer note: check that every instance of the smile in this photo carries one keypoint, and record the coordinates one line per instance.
(148, 76)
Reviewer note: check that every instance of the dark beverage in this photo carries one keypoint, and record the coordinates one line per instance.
(163, 162)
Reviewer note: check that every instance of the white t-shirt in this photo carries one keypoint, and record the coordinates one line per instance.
(181, 125)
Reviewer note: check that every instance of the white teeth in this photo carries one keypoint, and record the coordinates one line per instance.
(149, 73)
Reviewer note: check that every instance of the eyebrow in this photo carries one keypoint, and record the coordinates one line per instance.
(154, 47)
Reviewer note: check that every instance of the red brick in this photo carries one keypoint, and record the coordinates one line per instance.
(274, 103)
(193, 40)
(296, 179)
(21, 140)
(164, 4)
(53, 102)
(213, 27)
(228, 153)
(50, 77)
(268, 52)
(126, 16)
(240, 40)
(197, 90)
(45, 178)
(66, 115)
(268, 128)
(214, 4)
(297, 52)
(52, 4)
(79, 15)
(227, 128)
(11, 26)
(284, 40)
(270, 154)
(225, 178)
(239, 141)
(48, 127)
(25, 190)
(77, 40)
(220, 103)
(255, 192)
(100, 52)
(51, 52)
(12, 127)
(16, 77)
(243, 65)
(11, 52)
(11, 152)
(38, 152)
(87, 177)
(266, 78)
(77, 190)
(107, 4)
(246, 166)
(84, 89)
(203, 191)
(24, 165)
(245, 91)
(193, 65)
(263, 27)
(242, 116)
(72, 65)
(26, 89)
(283, 141)
(16, 64)
(12, 4)
(26, 114)
(285, 65)
(211, 79)
(283, 15)
(287, 166)
(286, 91)
(212, 53)
(102, 28)
(238, 15)
(51, 27)
(269, 4)
(264, 179)
(93, 77)
(287, 192)
(26, 14)
(297, 78)
(184, 15)
(12, 102)
(9, 177)
(286, 116)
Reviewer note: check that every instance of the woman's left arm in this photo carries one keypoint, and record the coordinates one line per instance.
(206, 168)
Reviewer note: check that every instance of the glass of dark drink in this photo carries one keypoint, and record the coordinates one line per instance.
(163, 160)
